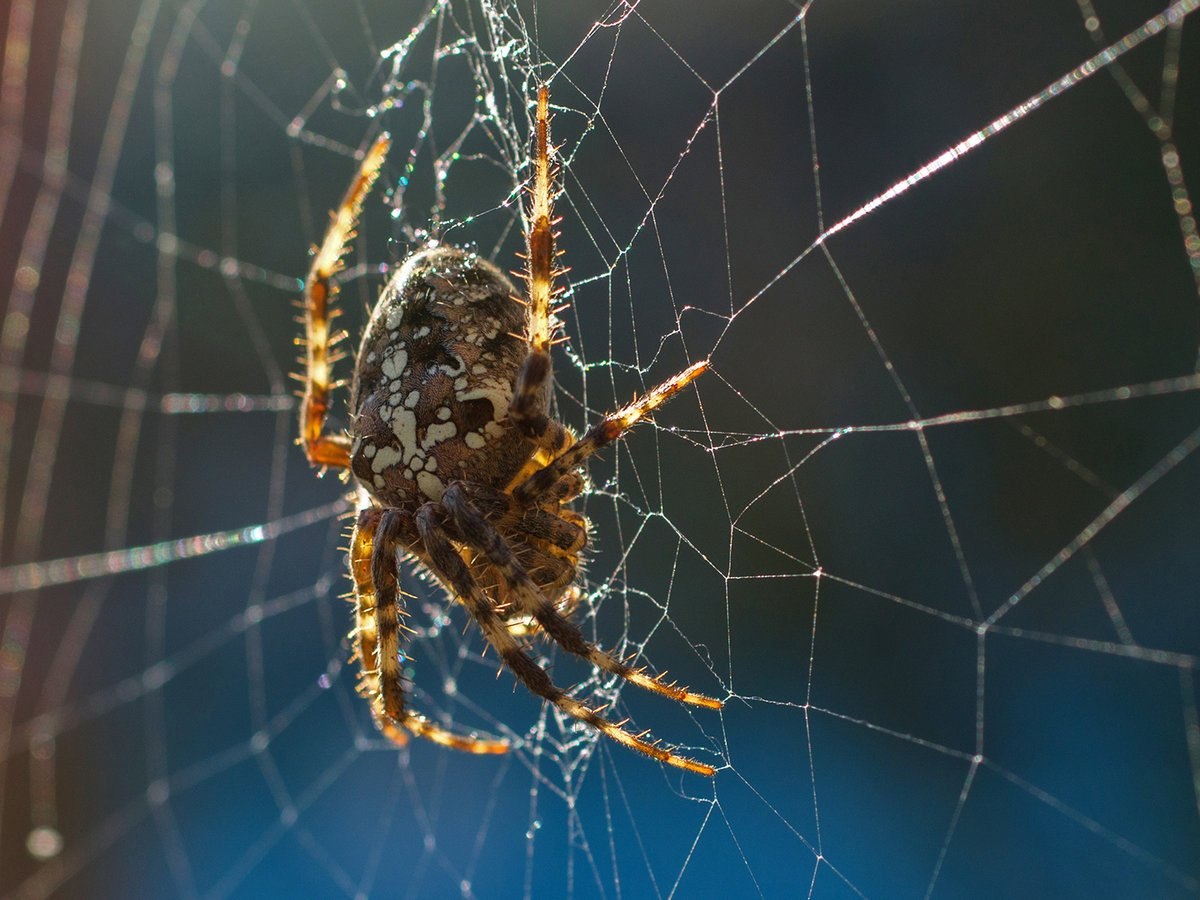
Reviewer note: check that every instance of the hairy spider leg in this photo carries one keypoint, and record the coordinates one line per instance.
(551, 535)
(540, 265)
(449, 566)
(477, 532)
(603, 433)
(563, 528)
(526, 410)
(377, 637)
(319, 291)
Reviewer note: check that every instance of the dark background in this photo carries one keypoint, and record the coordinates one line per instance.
(192, 729)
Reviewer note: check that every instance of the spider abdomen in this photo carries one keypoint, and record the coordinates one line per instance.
(434, 380)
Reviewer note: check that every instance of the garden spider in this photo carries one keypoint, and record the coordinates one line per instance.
(459, 466)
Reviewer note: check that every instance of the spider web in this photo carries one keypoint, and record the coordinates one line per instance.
(928, 525)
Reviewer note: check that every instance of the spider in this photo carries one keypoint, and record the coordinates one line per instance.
(457, 463)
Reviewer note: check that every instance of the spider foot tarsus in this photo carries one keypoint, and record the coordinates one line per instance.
(422, 727)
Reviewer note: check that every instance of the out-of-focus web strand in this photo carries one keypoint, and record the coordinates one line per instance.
(31, 576)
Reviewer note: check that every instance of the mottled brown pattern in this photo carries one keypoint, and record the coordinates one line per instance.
(460, 468)
(466, 306)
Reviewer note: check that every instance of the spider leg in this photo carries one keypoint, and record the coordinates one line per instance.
(564, 490)
(377, 637)
(555, 538)
(527, 411)
(604, 432)
(564, 529)
(450, 566)
(319, 290)
(478, 532)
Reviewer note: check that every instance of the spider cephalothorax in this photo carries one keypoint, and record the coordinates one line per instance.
(458, 463)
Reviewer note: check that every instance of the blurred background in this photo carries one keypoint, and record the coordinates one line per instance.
(928, 526)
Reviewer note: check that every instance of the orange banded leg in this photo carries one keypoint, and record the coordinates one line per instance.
(528, 407)
(603, 433)
(450, 567)
(377, 640)
(319, 291)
